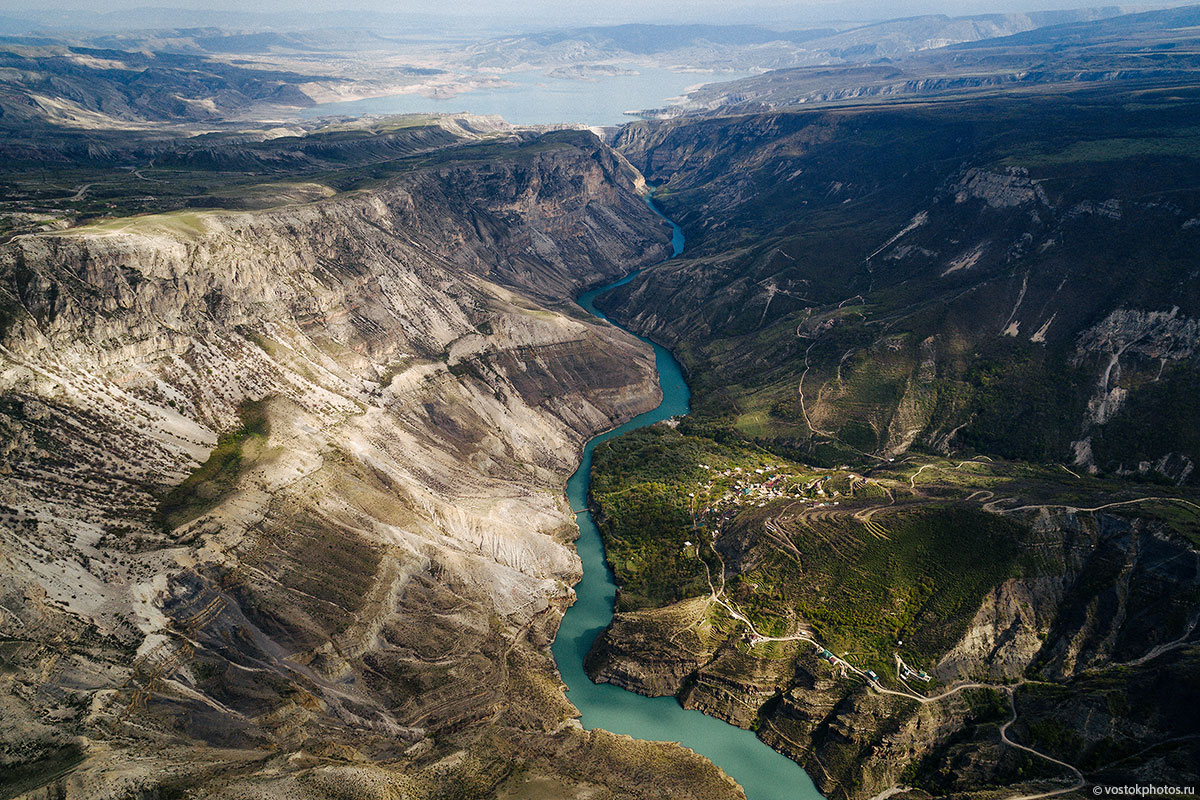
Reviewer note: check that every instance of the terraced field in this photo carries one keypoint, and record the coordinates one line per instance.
(890, 560)
(904, 581)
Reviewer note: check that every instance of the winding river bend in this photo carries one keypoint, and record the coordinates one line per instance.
(762, 772)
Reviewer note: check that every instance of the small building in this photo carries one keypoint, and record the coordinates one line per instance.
(871, 674)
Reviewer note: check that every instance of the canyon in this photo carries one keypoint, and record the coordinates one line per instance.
(358, 587)
(289, 403)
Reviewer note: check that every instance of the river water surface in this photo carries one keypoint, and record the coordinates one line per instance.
(762, 772)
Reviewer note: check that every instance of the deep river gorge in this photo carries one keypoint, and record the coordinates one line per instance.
(763, 773)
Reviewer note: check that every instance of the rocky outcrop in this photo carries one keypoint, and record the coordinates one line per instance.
(1131, 351)
(1000, 190)
(1162, 335)
(653, 652)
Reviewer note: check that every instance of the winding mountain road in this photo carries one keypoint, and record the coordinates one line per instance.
(756, 637)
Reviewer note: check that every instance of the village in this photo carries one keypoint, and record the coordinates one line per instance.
(733, 489)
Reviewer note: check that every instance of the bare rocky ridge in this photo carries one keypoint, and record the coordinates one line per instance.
(364, 608)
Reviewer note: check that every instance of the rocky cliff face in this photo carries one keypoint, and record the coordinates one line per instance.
(355, 594)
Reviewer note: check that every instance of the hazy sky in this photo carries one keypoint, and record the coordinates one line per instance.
(544, 13)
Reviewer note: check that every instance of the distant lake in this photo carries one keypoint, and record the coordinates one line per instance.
(537, 99)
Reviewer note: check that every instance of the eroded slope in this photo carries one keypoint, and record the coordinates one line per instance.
(354, 596)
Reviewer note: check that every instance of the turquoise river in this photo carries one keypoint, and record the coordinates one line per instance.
(763, 773)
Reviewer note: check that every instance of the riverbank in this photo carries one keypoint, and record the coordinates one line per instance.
(763, 773)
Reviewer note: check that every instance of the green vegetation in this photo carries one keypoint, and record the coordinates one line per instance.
(1054, 736)
(894, 558)
(217, 477)
(916, 578)
(1182, 518)
(640, 487)
(1158, 419)
(1183, 142)
(987, 705)
(647, 529)
(1023, 403)
(820, 336)
(186, 224)
(18, 777)
(919, 304)
(915, 573)
(1122, 706)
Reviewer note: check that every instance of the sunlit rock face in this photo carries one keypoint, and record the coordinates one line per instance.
(372, 563)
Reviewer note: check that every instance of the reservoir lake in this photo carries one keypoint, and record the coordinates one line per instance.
(536, 98)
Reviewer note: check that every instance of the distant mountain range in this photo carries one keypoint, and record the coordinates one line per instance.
(129, 66)
(91, 87)
(148, 18)
(759, 47)
(1155, 45)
